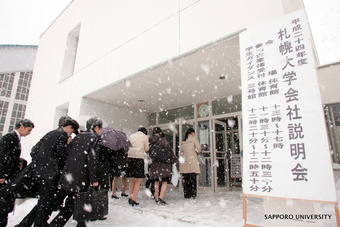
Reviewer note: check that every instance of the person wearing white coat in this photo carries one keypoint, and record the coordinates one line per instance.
(135, 165)
(189, 164)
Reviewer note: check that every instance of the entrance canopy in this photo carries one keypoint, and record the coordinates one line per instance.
(207, 73)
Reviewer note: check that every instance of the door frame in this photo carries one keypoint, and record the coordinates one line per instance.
(237, 115)
(216, 188)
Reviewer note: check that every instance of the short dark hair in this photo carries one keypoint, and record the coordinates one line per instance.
(156, 130)
(93, 122)
(69, 121)
(188, 132)
(62, 119)
(25, 122)
(143, 130)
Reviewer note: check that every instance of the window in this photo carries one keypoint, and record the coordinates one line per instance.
(70, 52)
(3, 113)
(186, 112)
(332, 113)
(227, 105)
(23, 86)
(18, 113)
(6, 84)
(152, 118)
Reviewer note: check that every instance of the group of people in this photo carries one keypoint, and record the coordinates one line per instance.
(160, 172)
(63, 166)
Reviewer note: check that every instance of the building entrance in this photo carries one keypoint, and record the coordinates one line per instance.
(219, 139)
(220, 143)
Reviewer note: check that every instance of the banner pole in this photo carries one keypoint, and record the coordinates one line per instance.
(337, 214)
(244, 210)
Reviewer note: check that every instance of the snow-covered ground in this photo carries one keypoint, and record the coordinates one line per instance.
(208, 209)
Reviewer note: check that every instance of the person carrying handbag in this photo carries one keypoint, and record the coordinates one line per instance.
(80, 171)
(162, 158)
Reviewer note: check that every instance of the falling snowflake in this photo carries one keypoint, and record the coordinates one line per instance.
(69, 178)
(148, 192)
(205, 68)
(127, 84)
(181, 159)
(87, 207)
(230, 99)
(231, 123)
(172, 127)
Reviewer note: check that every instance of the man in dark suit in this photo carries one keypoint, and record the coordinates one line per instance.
(47, 156)
(10, 151)
(46, 169)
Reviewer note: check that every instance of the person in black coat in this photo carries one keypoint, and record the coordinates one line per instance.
(80, 170)
(10, 151)
(46, 171)
(118, 167)
(104, 169)
(160, 172)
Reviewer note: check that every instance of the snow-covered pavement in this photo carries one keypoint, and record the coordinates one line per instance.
(208, 209)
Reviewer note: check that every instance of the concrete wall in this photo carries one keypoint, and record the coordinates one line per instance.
(118, 118)
(120, 38)
(328, 78)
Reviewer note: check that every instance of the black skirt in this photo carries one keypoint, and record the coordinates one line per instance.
(119, 163)
(135, 168)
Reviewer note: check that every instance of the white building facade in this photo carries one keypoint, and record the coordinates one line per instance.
(16, 69)
(161, 63)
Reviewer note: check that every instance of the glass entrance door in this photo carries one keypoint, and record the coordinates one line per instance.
(203, 135)
(214, 172)
(220, 143)
(220, 168)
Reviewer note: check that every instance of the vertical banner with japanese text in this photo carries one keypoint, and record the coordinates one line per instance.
(286, 152)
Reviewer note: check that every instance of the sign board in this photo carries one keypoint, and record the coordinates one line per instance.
(286, 152)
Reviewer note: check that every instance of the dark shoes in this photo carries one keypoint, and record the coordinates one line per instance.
(99, 219)
(160, 201)
(189, 196)
(133, 203)
(114, 197)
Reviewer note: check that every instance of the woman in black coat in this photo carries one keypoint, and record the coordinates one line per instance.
(160, 172)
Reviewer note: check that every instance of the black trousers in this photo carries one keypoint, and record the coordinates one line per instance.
(29, 218)
(66, 212)
(189, 185)
(57, 204)
(3, 220)
(41, 212)
(62, 217)
(10, 202)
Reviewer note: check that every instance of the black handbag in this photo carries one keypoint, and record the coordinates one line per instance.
(91, 204)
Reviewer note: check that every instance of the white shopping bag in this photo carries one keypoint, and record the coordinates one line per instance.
(175, 175)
